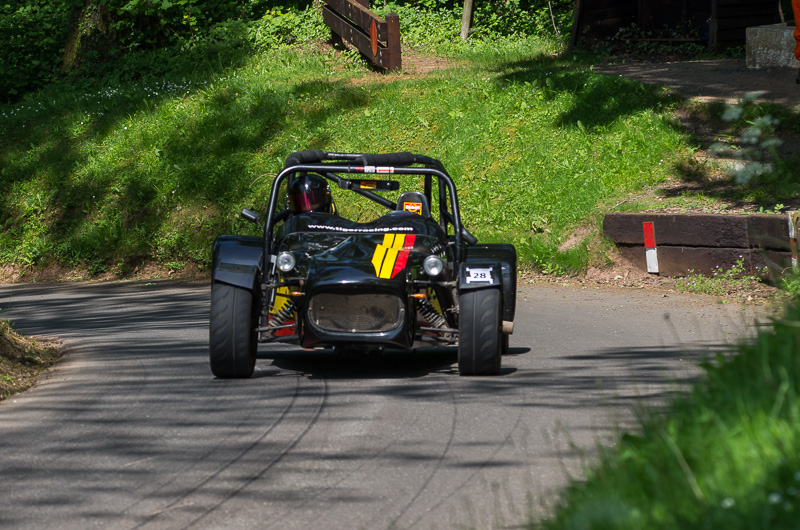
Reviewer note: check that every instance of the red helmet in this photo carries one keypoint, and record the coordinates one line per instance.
(309, 193)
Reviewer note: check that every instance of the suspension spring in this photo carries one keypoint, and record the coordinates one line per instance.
(430, 314)
(283, 314)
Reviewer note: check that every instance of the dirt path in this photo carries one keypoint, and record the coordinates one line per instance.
(718, 80)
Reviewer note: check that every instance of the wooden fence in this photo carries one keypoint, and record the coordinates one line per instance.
(376, 38)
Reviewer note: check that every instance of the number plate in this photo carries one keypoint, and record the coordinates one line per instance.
(479, 275)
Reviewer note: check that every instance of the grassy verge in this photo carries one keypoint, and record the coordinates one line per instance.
(152, 169)
(725, 456)
(21, 360)
(152, 157)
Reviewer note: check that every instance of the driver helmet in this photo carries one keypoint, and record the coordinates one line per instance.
(309, 193)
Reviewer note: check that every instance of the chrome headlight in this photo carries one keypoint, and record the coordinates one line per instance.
(433, 265)
(285, 261)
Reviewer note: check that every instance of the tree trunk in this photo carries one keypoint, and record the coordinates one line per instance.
(89, 30)
(466, 20)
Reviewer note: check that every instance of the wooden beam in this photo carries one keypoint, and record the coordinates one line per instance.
(359, 16)
(384, 57)
(393, 58)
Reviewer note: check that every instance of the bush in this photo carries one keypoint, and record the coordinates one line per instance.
(32, 36)
(34, 33)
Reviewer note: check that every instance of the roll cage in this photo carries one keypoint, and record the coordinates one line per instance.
(330, 165)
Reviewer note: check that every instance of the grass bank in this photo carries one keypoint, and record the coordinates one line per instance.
(727, 455)
(22, 359)
(107, 176)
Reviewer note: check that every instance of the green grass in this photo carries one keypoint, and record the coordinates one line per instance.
(154, 169)
(721, 281)
(154, 156)
(725, 456)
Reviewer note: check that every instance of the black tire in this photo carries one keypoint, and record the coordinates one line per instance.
(480, 341)
(232, 332)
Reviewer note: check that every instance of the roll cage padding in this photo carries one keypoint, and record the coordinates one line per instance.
(311, 156)
(387, 159)
(404, 158)
(397, 159)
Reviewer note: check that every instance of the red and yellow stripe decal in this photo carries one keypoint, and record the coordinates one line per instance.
(391, 256)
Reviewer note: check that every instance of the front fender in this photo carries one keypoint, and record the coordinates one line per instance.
(492, 265)
(237, 260)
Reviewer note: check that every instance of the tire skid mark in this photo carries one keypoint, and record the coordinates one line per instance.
(440, 461)
(180, 500)
(277, 459)
(378, 454)
(471, 476)
(288, 447)
(354, 471)
(210, 452)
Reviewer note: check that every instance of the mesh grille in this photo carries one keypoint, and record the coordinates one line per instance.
(356, 313)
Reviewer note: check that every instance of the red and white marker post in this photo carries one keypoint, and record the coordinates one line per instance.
(650, 251)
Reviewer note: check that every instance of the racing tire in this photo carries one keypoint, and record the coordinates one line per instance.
(480, 338)
(233, 338)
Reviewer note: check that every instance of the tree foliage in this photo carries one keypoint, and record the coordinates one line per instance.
(35, 34)
(44, 39)
(32, 35)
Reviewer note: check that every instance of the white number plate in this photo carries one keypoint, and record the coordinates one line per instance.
(479, 275)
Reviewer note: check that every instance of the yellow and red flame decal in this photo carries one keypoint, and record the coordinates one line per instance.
(391, 256)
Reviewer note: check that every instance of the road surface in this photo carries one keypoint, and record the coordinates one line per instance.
(131, 430)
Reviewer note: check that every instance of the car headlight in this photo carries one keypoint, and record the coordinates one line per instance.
(285, 261)
(433, 266)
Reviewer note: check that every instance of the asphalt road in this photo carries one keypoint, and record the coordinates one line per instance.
(131, 430)
(714, 80)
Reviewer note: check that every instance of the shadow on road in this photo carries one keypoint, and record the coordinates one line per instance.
(166, 322)
(133, 427)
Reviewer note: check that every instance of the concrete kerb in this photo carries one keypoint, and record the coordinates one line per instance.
(672, 244)
(771, 45)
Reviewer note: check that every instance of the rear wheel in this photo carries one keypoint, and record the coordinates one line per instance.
(232, 331)
(480, 341)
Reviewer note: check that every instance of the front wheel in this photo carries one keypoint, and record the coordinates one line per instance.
(480, 341)
(232, 331)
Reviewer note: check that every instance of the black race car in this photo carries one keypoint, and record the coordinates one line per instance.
(411, 278)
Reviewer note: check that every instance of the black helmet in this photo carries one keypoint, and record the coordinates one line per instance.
(309, 193)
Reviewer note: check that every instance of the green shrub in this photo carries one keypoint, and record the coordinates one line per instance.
(32, 35)
(516, 17)
(287, 26)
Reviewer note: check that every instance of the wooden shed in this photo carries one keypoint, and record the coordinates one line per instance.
(720, 23)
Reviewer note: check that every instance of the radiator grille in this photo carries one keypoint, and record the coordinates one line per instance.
(356, 313)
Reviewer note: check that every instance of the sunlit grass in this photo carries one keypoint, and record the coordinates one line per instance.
(725, 456)
(155, 169)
